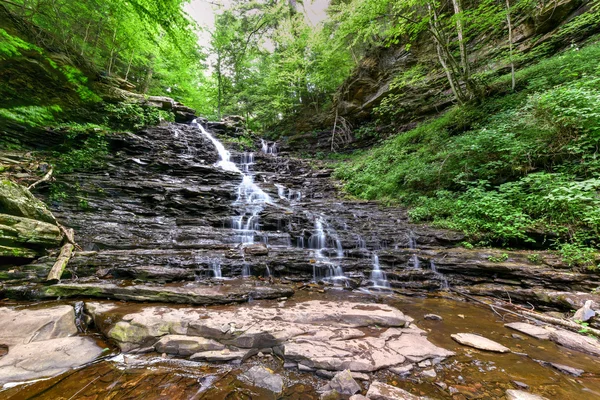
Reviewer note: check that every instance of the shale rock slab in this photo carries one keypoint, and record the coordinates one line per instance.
(529, 329)
(479, 342)
(331, 336)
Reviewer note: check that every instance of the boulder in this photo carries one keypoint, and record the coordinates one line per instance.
(381, 391)
(585, 312)
(513, 394)
(29, 232)
(479, 342)
(257, 249)
(17, 200)
(262, 377)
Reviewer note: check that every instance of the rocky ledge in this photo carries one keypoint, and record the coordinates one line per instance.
(40, 343)
(310, 335)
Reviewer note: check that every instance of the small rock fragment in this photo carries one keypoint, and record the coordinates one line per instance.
(520, 385)
(433, 317)
(429, 373)
(566, 369)
(344, 383)
(402, 370)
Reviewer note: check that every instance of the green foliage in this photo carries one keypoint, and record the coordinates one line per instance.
(86, 152)
(133, 116)
(11, 46)
(513, 169)
(501, 258)
(153, 44)
(31, 115)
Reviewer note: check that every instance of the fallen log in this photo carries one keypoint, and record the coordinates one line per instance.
(532, 316)
(66, 252)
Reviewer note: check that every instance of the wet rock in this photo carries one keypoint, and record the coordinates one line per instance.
(262, 377)
(219, 355)
(575, 341)
(520, 385)
(330, 395)
(258, 249)
(203, 295)
(382, 391)
(344, 383)
(529, 329)
(513, 394)
(46, 358)
(433, 317)
(417, 348)
(31, 325)
(429, 373)
(358, 397)
(585, 312)
(402, 370)
(479, 342)
(517, 336)
(566, 369)
(183, 345)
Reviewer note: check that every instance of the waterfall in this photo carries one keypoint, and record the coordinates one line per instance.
(324, 268)
(268, 148)
(216, 269)
(251, 199)
(443, 280)
(378, 277)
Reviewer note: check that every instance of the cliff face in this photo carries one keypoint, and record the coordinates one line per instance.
(415, 87)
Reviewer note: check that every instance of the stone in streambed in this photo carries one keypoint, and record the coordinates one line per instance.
(30, 325)
(576, 341)
(479, 342)
(218, 356)
(46, 358)
(513, 394)
(433, 317)
(529, 329)
(183, 345)
(382, 391)
(344, 383)
(566, 369)
(262, 377)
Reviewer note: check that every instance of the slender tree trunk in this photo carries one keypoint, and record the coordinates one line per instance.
(112, 52)
(87, 30)
(461, 39)
(510, 45)
(219, 86)
(129, 65)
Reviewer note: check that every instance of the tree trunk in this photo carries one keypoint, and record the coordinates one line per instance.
(510, 45)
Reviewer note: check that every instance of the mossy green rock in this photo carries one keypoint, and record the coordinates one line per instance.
(19, 252)
(17, 200)
(24, 231)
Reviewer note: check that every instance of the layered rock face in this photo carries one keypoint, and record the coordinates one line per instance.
(161, 211)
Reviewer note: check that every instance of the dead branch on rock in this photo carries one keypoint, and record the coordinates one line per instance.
(44, 179)
(530, 315)
(341, 133)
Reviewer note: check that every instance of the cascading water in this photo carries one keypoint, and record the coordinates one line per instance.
(323, 267)
(443, 280)
(378, 277)
(251, 199)
(268, 148)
